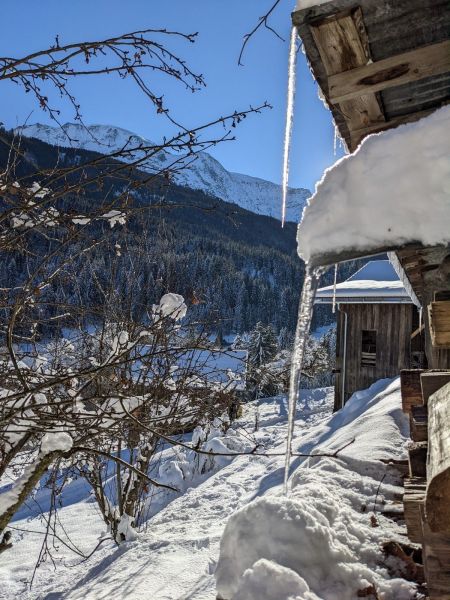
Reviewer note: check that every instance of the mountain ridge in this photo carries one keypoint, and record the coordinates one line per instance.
(204, 173)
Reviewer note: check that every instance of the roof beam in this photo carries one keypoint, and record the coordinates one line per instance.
(358, 134)
(422, 62)
(343, 45)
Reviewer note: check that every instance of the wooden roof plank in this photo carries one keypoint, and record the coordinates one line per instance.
(390, 72)
(388, 28)
(343, 45)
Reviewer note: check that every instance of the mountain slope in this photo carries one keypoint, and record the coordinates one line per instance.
(205, 173)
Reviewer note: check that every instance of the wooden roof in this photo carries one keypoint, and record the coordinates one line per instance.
(426, 268)
(375, 283)
(379, 63)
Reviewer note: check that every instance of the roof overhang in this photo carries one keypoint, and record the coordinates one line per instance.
(363, 300)
(377, 66)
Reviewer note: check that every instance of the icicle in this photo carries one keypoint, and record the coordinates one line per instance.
(420, 319)
(301, 337)
(335, 140)
(334, 288)
(289, 121)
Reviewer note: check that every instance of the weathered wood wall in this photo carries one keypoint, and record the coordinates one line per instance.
(393, 324)
(438, 358)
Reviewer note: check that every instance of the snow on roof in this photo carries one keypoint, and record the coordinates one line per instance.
(394, 189)
(301, 4)
(376, 281)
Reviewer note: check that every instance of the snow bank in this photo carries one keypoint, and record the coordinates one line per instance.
(267, 580)
(393, 189)
(323, 531)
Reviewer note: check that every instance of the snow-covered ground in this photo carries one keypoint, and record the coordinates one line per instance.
(317, 543)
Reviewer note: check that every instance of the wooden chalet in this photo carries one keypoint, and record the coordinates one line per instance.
(378, 330)
(380, 64)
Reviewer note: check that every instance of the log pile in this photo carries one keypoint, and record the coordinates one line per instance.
(427, 489)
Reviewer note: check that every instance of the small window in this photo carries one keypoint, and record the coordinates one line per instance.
(368, 348)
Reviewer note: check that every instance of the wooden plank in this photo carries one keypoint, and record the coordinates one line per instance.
(418, 423)
(343, 45)
(436, 560)
(417, 459)
(416, 64)
(417, 331)
(413, 499)
(439, 315)
(339, 42)
(431, 382)
(359, 134)
(410, 388)
(438, 467)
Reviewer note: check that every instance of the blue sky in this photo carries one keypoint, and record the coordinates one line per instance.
(221, 26)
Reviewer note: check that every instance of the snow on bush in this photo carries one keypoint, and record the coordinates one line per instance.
(392, 190)
(56, 440)
(115, 217)
(125, 529)
(188, 466)
(323, 530)
(171, 305)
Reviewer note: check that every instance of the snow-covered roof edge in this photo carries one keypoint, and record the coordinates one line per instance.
(393, 259)
(393, 190)
(376, 282)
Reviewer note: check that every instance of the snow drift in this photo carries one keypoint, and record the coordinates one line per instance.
(273, 548)
(322, 536)
(394, 189)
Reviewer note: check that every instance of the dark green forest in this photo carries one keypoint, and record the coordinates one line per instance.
(234, 267)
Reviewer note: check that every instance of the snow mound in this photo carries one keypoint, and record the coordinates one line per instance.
(394, 189)
(323, 531)
(267, 580)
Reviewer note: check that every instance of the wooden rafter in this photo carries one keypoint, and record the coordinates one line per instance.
(357, 134)
(376, 66)
(342, 45)
(419, 63)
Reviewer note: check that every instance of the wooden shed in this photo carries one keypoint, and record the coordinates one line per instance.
(376, 321)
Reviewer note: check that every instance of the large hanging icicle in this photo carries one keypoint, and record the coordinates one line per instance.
(301, 337)
(334, 288)
(289, 120)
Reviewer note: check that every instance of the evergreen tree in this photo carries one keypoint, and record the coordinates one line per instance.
(263, 345)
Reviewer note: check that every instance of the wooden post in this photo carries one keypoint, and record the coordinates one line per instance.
(413, 499)
(436, 560)
(438, 466)
(432, 381)
(439, 315)
(410, 388)
(418, 423)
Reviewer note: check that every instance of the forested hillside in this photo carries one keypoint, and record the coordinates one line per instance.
(234, 267)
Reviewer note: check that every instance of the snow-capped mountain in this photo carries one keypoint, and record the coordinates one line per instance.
(205, 173)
